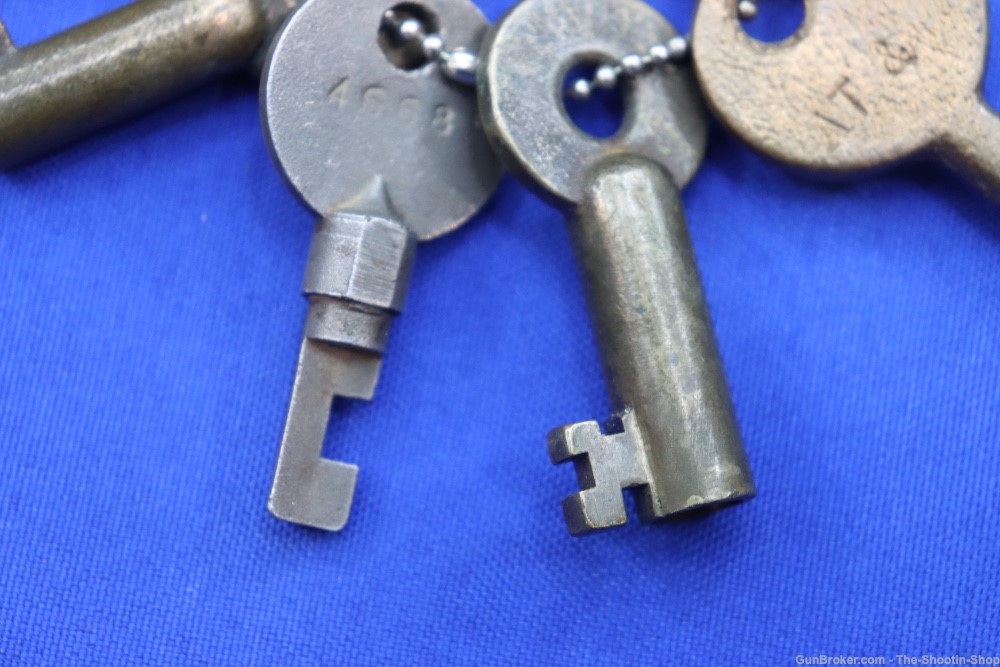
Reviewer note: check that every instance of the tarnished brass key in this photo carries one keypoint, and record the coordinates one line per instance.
(120, 64)
(862, 85)
(674, 435)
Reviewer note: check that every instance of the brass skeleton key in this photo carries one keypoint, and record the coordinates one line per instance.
(674, 435)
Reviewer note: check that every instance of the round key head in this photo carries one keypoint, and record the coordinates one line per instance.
(862, 84)
(346, 103)
(521, 80)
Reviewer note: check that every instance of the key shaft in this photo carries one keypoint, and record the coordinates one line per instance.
(121, 64)
(675, 434)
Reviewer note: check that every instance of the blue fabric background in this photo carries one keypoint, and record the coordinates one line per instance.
(150, 317)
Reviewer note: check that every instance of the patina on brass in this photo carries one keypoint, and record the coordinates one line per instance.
(674, 436)
(121, 64)
(863, 84)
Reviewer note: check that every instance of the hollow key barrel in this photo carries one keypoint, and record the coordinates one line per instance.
(674, 435)
(121, 64)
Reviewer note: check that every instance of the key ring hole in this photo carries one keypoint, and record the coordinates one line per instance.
(401, 48)
(602, 114)
(776, 20)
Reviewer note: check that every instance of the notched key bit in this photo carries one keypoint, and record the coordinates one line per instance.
(387, 153)
(605, 464)
(674, 437)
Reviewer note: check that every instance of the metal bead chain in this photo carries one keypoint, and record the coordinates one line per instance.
(607, 77)
(747, 10)
(676, 50)
(457, 64)
(460, 64)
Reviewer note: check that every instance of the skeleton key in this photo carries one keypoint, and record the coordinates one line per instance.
(863, 84)
(387, 151)
(123, 63)
(674, 434)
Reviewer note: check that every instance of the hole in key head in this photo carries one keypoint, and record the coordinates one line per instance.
(601, 113)
(774, 20)
(402, 31)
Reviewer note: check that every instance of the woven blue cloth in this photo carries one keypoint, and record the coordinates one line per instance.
(150, 318)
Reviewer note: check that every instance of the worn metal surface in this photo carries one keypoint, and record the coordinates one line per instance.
(120, 64)
(674, 435)
(678, 440)
(337, 113)
(385, 156)
(863, 84)
(521, 93)
(356, 281)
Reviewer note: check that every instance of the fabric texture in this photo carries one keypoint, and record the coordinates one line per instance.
(151, 319)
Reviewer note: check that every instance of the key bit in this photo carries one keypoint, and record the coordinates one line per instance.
(386, 156)
(308, 489)
(605, 464)
(674, 437)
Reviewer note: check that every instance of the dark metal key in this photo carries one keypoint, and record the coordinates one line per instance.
(387, 151)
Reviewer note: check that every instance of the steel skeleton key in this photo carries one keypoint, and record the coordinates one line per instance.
(120, 64)
(386, 157)
(863, 84)
(674, 435)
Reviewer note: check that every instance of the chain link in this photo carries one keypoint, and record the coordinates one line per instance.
(747, 9)
(608, 76)
(678, 49)
(461, 64)
(457, 64)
